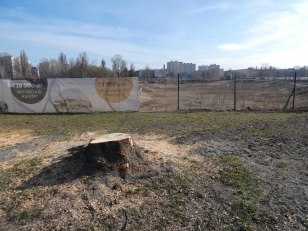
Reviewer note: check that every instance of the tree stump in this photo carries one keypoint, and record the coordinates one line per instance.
(115, 151)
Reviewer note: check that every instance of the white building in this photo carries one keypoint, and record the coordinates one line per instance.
(187, 69)
(203, 68)
(221, 72)
(174, 68)
(7, 66)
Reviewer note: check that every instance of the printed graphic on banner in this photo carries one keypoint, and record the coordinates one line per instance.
(114, 90)
(72, 100)
(3, 105)
(29, 91)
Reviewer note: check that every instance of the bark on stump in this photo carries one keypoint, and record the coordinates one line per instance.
(115, 151)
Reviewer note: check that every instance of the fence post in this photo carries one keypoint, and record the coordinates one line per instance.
(294, 91)
(235, 92)
(178, 91)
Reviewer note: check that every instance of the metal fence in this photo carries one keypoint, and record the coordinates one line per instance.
(265, 93)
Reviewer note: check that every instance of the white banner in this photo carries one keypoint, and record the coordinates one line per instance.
(73, 95)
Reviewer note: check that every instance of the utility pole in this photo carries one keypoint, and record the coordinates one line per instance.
(234, 91)
(294, 90)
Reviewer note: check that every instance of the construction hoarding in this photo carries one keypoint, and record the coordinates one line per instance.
(84, 95)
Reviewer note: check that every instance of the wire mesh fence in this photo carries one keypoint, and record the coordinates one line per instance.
(266, 93)
(261, 93)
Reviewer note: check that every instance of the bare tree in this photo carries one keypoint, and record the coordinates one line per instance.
(62, 64)
(146, 73)
(123, 69)
(103, 63)
(131, 72)
(44, 68)
(116, 64)
(82, 60)
(2, 54)
(72, 62)
(54, 68)
(22, 65)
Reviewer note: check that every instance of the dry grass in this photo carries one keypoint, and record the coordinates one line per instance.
(219, 94)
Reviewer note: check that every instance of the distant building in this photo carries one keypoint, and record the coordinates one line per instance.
(173, 68)
(208, 67)
(7, 66)
(203, 68)
(153, 73)
(221, 72)
(35, 72)
(214, 67)
(187, 70)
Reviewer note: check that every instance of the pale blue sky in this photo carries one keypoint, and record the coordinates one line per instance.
(234, 34)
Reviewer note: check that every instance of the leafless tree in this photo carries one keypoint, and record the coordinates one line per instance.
(132, 67)
(62, 64)
(116, 64)
(22, 65)
(82, 60)
(44, 68)
(146, 73)
(54, 66)
(72, 62)
(132, 71)
(119, 66)
(103, 63)
(123, 69)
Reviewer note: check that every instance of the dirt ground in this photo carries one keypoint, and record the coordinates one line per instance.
(252, 177)
(219, 94)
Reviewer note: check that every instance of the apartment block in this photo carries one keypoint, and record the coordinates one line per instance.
(7, 66)
(187, 69)
(214, 67)
(174, 68)
(203, 68)
(208, 67)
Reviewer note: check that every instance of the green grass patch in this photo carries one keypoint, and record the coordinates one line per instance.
(235, 174)
(245, 211)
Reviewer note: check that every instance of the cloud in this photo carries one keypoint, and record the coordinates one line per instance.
(275, 30)
(231, 47)
(120, 28)
(221, 6)
(279, 27)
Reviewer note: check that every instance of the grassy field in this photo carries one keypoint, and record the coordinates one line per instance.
(232, 171)
(161, 123)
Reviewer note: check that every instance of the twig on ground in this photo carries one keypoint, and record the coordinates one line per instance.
(126, 222)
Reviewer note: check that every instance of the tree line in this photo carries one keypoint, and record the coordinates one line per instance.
(270, 71)
(80, 67)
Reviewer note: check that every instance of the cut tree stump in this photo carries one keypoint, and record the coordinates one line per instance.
(115, 151)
